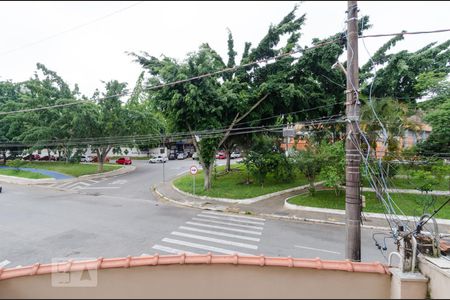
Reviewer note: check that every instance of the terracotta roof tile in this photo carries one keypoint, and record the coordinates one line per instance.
(154, 260)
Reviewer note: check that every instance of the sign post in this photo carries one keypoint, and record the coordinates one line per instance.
(193, 170)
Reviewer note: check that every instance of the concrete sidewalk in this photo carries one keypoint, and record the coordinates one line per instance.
(273, 207)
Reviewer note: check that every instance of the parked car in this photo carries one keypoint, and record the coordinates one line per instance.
(31, 157)
(172, 156)
(158, 159)
(124, 161)
(47, 158)
(195, 156)
(235, 154)
(221, 155)
(181, 155)
(86, 159)
(95, 159)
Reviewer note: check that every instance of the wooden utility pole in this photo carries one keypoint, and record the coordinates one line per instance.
(352, 143)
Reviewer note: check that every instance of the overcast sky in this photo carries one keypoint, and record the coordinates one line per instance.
(102, 31)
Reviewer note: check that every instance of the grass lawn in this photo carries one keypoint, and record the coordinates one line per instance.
(404, 183)
(232, 185)
(23, 174)
(411, 204)
(72, 169)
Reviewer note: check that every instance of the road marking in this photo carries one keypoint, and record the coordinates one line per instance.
(316, 249)
(226, 223)
(99, 187)
(231, 219)
(221, 234)
(234, 216)
(224, 228)
(120, 181)
(4, 263)
(170, 250)
(78, 183)
(94, 181)
(67, 183)
(181, 173)
(219, 241)
(203, 247)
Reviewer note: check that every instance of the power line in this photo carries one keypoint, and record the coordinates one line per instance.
(70, 29)
(403, 32)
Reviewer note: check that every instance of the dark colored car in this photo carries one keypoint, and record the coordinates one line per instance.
(172, 156)
(31, 157)
(48, 158)
(124, 161)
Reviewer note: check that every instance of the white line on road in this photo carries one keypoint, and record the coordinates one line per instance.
(234, 216)
(181, 173)
(226, 223)
(220, 233)
(231, 219)
(203, 247)
(64, 184)
(76, 184)
(4, 263)
(224, 228)
(316, 249)
(218, 241)
(99, 187)
(170, 250)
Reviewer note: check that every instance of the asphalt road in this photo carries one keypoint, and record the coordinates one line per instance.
(118, 216)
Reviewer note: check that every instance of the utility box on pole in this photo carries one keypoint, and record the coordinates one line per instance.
(352, 142)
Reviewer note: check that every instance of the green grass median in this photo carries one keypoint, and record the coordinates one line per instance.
(411, 204)
(232, 185)
(72, 169)
(23, 174)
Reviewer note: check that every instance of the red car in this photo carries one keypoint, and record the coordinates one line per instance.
(221, 155)
(51, 157)
(124, 161)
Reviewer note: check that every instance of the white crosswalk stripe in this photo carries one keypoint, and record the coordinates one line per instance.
(201, 246)
(224, 228)
(201, 235)
(234, 216)
(231, 219)
(221, 234)
(4, 263)
(228, 223)
(170, 250)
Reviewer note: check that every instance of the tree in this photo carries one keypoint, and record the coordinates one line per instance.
(334, 161)
(439, 139)
(310, 163)
(224, 100)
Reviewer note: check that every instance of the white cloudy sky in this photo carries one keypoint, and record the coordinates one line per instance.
(41, 31)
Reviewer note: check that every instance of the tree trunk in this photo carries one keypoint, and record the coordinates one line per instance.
(100, 159)
(208, 175)
(4, 157)
(228, 167)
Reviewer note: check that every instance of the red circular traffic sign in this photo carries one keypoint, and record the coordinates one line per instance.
(193, 170)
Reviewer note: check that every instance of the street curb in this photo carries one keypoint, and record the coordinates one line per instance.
(274, 216)
(318, 221)
(246, 200)
(27, 181)
(342, 212)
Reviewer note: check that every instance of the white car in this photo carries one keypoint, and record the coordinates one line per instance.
(158, 159)
(235, 154)
(86, 159)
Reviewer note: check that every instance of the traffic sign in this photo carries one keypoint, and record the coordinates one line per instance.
(193, 170)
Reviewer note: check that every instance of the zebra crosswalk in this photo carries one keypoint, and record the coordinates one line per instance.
(77, 185)
(215, 232)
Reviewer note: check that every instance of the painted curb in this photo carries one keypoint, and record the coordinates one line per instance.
(342, 212)
(21, 180)
(247, 200)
